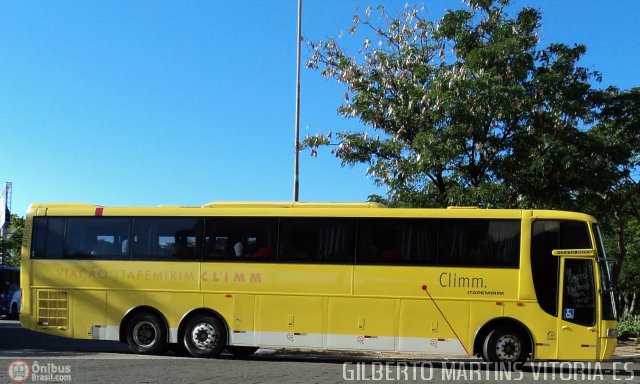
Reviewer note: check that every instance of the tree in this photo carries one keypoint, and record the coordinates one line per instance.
(11, 247)
(618, 131)
(466, 110)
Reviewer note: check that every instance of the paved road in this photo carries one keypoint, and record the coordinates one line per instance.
(53, 359)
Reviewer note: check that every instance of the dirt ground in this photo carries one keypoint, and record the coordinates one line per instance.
(627, 347)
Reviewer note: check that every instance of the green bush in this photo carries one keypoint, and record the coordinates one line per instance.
(629, 326)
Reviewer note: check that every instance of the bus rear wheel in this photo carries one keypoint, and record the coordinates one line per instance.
(146, 334)
(204, 336)
(505, 345)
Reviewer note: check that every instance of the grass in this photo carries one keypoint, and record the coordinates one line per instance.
(629, 326)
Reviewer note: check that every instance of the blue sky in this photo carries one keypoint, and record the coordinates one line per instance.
(187, 102)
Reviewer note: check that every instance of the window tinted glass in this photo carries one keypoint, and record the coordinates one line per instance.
(97, 238)
(167, 239)
(80, 238)
(544, 266)
(241, 239)
(47, 238)
(503, 240)
(397, 242)
(483, 243)
(579, 294)
(55, 238)
(317, 240)
(574, 235)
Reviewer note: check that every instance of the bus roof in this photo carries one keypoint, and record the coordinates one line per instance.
(301, 209)
(289, 204)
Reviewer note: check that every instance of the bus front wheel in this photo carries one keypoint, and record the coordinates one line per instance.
(146, 334)
(204, 336)
(505, 345)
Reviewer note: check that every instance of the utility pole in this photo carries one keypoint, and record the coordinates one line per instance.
(5, 218)
(296, 166)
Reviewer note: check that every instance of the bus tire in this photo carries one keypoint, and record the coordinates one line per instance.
(241, 351)
(505, 345)
(146, 334)
(204, 336)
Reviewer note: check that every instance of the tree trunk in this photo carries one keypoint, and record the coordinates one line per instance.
(626, 303)
(622, 250)
(634, 301)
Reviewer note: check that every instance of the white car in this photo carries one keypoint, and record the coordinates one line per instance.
(14, 306)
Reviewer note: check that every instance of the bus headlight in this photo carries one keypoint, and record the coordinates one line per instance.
(612, 332)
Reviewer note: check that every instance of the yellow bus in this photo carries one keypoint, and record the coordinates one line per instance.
(505, 285)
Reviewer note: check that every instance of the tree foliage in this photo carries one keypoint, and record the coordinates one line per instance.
(463, 110)
(11, 247)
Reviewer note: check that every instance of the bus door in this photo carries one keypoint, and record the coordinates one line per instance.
(577, 322)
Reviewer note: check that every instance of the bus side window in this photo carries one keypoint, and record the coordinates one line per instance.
(95, 238)
(398, 242)
(167, 238)
(215, 246)
(378, 242)
(477, 243)
(317, 240)
(232, 239)
(48, 238)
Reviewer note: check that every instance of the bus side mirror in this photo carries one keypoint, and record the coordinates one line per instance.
(574, 252)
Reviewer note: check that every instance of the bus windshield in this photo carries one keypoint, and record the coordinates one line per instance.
(606, 288)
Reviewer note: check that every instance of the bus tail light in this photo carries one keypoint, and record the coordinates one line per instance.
(612, 332)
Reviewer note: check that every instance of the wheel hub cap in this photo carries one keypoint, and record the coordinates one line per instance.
(144, 334)
(203, 336)
(508, 348)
